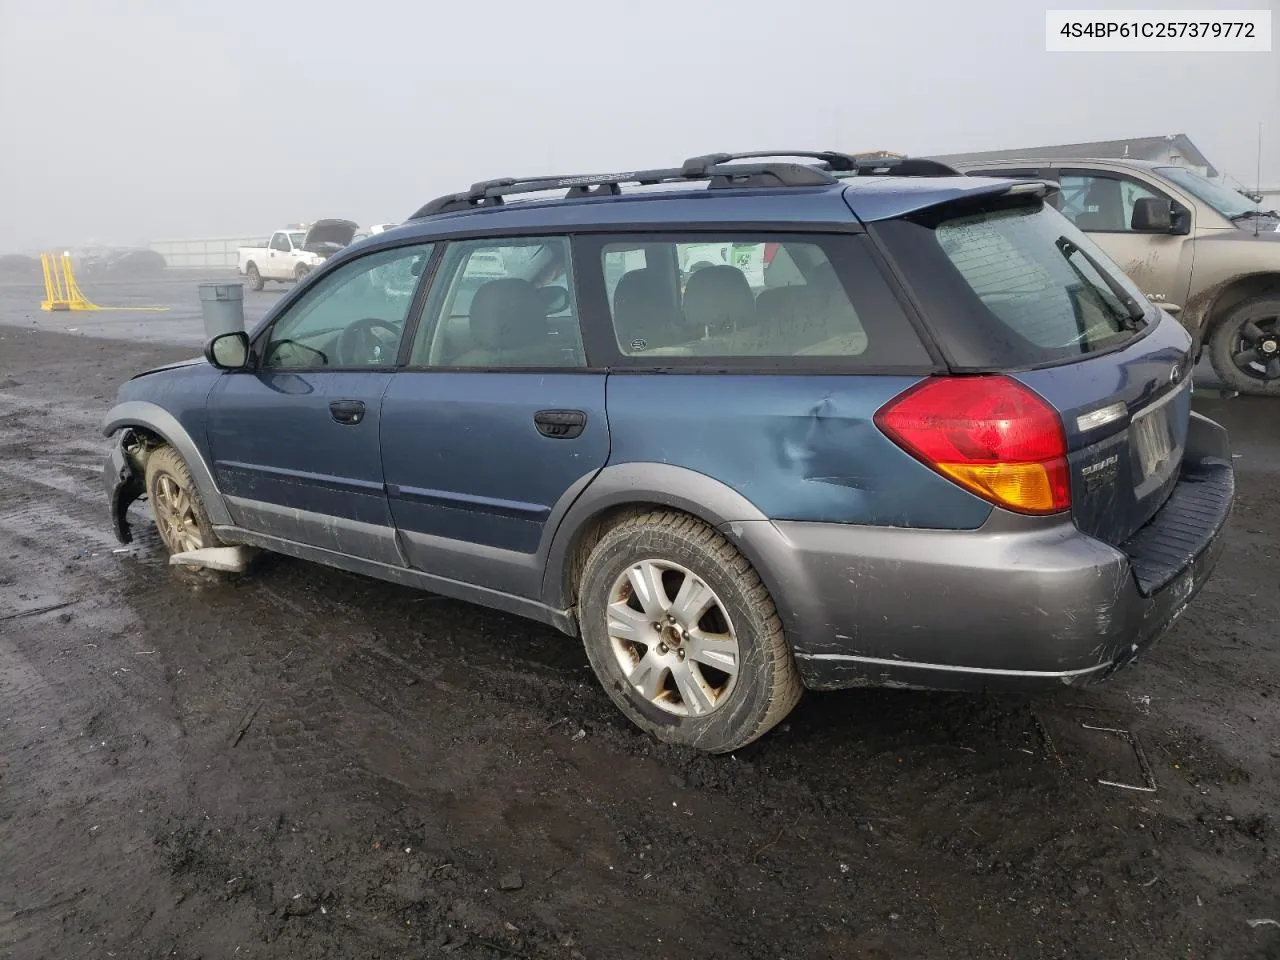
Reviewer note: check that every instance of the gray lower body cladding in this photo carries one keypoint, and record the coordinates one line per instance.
(1019, 604)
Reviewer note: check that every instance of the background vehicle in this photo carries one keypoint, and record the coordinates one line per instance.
(729, 493)
(294, 252)
(1198, 248)
(125, 264)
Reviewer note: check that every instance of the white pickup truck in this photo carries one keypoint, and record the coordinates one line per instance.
(294, 252)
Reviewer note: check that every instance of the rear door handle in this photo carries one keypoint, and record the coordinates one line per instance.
(350, 412)
(560, 424)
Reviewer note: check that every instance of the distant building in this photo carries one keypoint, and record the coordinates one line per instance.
(1175, 149)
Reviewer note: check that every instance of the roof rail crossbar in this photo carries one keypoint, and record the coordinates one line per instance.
(609, 189)
(696, 166)
(853, 164)
(902, 167)
(766, 175)
(452, 203)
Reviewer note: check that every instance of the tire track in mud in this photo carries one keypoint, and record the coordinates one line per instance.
(67, 676)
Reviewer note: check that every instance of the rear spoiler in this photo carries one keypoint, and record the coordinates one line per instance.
(873, 205)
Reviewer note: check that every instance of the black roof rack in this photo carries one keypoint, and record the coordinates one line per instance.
(848, 164)
(491, 193)
(720, 169)
(830, 159)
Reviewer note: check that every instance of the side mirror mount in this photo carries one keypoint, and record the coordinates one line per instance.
(1181, 220)
(228, 351)
(1152, 215)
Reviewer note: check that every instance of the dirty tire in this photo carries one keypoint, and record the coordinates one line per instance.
(300, 273)
(163, 463)
(254, 277)
(767, 685)
(1263, 312)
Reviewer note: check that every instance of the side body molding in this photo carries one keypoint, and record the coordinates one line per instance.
(148, 416)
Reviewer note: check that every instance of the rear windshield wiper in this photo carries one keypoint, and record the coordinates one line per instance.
(1134, 310)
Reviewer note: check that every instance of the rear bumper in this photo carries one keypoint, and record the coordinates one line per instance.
(1018, 604)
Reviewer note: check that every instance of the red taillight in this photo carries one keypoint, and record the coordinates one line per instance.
(990, 434)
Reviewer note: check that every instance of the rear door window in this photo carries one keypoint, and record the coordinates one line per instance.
(806, 299)
(1015, 285)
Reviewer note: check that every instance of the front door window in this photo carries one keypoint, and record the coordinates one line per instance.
(352, 318)
(1100, 204)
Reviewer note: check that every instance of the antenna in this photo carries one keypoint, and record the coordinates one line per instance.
(1257, 188)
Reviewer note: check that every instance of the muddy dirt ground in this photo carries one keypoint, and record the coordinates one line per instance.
(305, 763)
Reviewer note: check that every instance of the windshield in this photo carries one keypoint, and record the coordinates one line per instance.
(297, 238)
(1228, 202)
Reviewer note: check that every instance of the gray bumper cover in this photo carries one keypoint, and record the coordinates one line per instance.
(1019, 603)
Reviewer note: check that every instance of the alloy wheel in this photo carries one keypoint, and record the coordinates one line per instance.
(673, 638)
(175, 516)
(1257, 348)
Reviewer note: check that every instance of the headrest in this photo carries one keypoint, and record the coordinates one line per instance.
(719, 298)
(640, 289)
(507, 313)
(823, 278)
(788, 303)
(643, 310)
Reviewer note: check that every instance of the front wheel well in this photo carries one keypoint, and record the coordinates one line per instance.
(1235, 293)
(140, 442)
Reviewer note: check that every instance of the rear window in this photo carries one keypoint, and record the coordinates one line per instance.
(795, 300)
(1016, 286)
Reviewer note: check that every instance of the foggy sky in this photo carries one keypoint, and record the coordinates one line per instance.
(125, 121)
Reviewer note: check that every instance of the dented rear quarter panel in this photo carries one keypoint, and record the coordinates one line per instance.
(797, 447)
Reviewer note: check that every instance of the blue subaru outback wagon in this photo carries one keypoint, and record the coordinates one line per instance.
(757, 423)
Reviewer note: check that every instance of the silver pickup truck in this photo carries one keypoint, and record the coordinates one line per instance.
(1205, 252)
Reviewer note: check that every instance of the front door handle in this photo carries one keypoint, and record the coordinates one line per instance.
(560, 424)
(349, 412)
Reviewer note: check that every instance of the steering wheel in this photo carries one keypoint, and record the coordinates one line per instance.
(359, 346)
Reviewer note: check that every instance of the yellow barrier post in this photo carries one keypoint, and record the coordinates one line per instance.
(61, 292)
(55, 293)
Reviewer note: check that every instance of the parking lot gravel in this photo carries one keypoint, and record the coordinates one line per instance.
(300, 762)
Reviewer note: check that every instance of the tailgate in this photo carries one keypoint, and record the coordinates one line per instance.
(1125, 415)
(1008, 285)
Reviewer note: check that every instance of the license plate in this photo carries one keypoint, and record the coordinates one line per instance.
(1152, 441)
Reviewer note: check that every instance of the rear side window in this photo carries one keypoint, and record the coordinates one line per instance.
(806, 299)
(1015, 286)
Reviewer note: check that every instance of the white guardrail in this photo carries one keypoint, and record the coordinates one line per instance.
(205, 251)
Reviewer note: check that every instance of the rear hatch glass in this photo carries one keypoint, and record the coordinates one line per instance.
(1013, 287)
